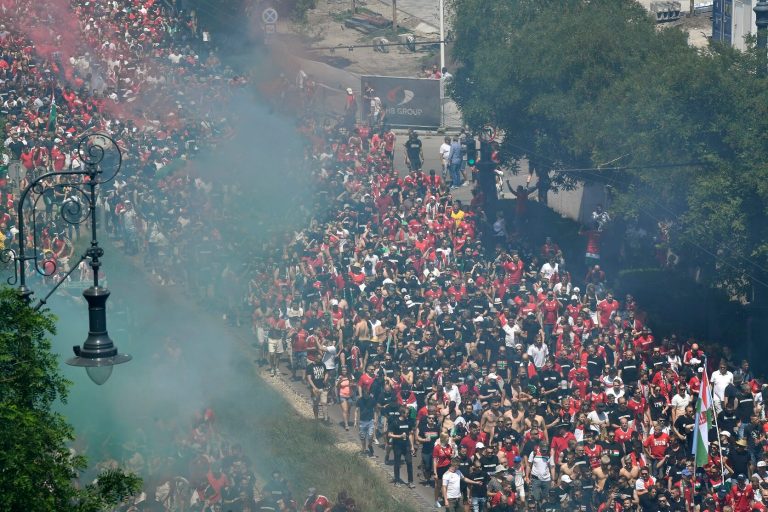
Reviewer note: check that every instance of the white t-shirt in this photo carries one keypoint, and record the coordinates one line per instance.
(596, 419)
(540, 465)
(452, 483)
(681, 402)
(719, 382)
(329, 357)
(538, 354)
(511, 333)
(445, 150)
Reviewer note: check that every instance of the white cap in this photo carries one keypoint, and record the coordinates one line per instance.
(761, 464)
(350, 91)
(566, 479)
(725, 433)
(479, 446)
(334, 302)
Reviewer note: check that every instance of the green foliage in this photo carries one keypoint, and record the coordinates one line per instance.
(575, 85)
(38, 470)
(301, 8)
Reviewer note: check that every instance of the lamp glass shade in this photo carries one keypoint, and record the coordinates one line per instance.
(99, 374)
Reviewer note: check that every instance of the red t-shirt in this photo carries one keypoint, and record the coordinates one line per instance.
(549, 309)
(605, 309)
(657, 445)
(365, 382)
(442, 455)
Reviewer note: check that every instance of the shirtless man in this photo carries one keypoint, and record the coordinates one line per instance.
(629, 471)
(489, 419)
(517, 415)
(602, 472)
(362, 334)
(568, 467)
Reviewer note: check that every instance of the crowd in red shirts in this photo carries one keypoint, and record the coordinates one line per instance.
(457, 340)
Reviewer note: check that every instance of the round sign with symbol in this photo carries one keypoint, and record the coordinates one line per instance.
(269, 15)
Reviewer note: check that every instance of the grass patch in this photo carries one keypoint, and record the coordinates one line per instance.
(303, 450)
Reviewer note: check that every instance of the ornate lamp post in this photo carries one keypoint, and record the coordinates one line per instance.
(96, 152)
(761, 20)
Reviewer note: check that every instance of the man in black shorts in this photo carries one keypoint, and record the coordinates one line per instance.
(401, 437)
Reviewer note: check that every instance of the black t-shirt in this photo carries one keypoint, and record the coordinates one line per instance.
(413, 148)
(616, 413)
(430, 431)
(656, 405)
(630, 370)
(489, 463)
(399, 426)
(549, 379)
(727, 420)
(595, 365)
(367, 406)
(317, 373)
(746, 407)
(681, 423)
(739, 461)
(649, 503)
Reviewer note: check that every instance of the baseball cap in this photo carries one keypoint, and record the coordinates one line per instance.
(479, 446)
(566, 479)
(761, 464)
(520, 459)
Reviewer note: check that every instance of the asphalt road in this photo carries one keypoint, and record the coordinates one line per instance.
(568, 203)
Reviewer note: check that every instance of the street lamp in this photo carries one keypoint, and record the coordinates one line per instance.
(761, 21)
(96, 153)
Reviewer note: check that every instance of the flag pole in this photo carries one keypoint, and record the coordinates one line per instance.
(717, 427)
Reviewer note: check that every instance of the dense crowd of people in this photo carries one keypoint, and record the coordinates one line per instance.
(148, 77)
(462, 346)
(457, 346)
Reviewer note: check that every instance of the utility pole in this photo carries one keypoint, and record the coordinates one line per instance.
(693, 7)
(394, 16)
(442, 35)
(354, 6)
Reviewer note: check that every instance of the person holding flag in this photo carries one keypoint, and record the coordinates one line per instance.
(703, 423)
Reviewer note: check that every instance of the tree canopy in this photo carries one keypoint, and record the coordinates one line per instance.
(594, 85)
(37, 469)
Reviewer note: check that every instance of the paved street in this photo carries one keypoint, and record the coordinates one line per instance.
(568, 203)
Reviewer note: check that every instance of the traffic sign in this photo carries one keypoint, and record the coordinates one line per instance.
(269, 15)
(269, 28)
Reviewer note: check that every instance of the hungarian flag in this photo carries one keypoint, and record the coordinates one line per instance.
(703, 422)
(53, 114)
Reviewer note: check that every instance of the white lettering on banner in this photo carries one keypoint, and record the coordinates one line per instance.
(405, 111)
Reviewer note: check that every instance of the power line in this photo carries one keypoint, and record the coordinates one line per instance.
(633, 167)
